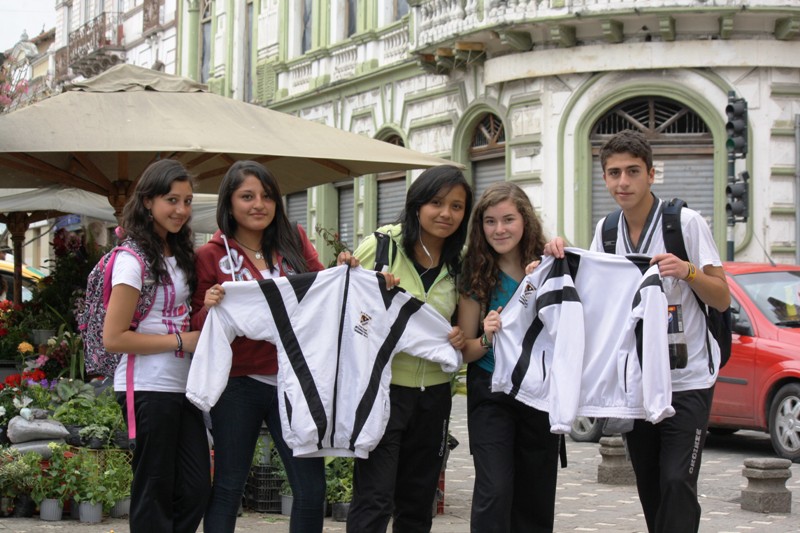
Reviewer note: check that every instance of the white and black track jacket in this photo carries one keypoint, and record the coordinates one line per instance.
(336, 332)
(572, 337)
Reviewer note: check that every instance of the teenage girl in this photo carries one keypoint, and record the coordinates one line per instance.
(255, 241)
(171, 467)
(398, 480)
(515, 455)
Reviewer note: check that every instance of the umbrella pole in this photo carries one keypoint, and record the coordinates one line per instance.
(17, 224)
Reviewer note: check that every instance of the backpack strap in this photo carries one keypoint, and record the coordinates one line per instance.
(674, 244)
(609, 234)
(671, 228)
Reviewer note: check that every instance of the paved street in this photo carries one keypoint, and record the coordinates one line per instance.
(582, 504)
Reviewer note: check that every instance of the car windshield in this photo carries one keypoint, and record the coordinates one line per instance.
(776, 293)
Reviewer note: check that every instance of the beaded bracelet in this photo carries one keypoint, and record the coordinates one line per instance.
(692, 272)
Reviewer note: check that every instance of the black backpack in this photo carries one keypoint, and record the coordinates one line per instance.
(718, 322)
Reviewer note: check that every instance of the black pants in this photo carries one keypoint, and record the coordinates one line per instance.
(666, 458)
(171, 465)
(398, 480)
(516, 461)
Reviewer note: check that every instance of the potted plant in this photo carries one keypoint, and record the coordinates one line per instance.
(15, 476)
(95, 436)
(119, 476)
(339, 485)
(92, 492)
(49, 487)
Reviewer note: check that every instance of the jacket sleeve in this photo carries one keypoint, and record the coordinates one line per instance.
(309, 252)
(211, 363)
(656, 377)
(206, 277)
(425, 336)
(560, 310)
(366, 252)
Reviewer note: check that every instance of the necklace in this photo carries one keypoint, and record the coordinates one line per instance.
(257, 253)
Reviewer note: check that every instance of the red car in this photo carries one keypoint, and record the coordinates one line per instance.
(759, 388)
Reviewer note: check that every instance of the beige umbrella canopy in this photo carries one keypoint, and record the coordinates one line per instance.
(100, 134)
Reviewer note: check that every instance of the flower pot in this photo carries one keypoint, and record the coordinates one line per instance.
(340, 510)
(24, 506)
(41, 336)
(51, 509)
(74, 509)
(74, 437)
(6, 505)
(121, 508)
(286, 504)
(95, 443)
(121, 439)
(91, 513)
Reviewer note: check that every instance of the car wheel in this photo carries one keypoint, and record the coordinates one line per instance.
(784, 421)
(586, 429)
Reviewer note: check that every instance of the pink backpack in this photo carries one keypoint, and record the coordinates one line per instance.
(92, 317)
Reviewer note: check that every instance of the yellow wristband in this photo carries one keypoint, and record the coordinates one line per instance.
(692, 272)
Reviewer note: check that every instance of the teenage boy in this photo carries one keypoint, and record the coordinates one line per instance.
(666, 456)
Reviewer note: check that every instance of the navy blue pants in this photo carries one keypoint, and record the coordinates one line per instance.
(516, 461)
(236, 421)
(399, 478)
(666, 459)
(171, 464)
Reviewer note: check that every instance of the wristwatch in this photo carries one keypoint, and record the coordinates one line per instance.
(485, 344)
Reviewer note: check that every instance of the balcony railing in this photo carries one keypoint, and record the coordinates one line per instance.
(96, 45)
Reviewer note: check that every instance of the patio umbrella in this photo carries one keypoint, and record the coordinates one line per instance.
(100, 134)
(21, 207)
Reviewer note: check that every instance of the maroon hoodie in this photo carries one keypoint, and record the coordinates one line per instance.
(213, 265)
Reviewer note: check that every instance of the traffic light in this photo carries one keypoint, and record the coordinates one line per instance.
(736, 126)
(737, 205)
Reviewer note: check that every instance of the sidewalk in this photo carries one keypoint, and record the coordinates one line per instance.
(581, 503)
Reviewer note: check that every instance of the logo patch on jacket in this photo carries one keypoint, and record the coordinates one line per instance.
(363, 323)
(524, 297)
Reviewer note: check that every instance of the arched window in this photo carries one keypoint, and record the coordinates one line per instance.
(683, 152)
(487, 153)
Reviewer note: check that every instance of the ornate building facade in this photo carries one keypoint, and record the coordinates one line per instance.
(527, 91)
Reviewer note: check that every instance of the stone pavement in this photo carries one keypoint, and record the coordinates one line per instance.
(582, 504)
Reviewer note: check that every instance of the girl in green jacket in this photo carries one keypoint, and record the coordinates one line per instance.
(400, 477)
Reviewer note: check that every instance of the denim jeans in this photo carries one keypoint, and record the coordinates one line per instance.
(236, 420)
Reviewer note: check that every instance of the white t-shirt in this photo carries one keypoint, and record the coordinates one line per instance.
(702, 251)
(161, 372)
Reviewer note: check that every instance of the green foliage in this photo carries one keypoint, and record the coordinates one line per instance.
(69, 389)
(52, 478)
(96, 431)
(339, 479)
(332, 239)
(118, 475)
(76, 412)
(66, 284)
(92, 484)
(16, 471)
